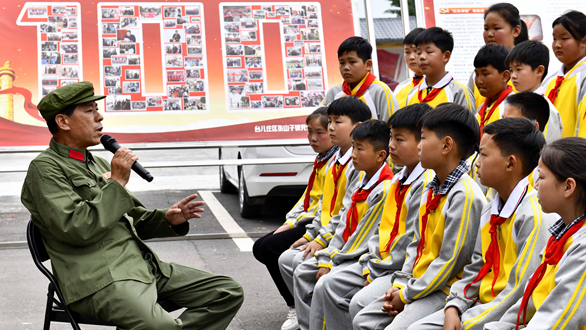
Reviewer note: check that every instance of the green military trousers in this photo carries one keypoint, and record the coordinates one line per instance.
(211, 300)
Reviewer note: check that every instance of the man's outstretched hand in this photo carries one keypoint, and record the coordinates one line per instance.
(184, 210)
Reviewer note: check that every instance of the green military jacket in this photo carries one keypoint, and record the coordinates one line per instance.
(92, 227)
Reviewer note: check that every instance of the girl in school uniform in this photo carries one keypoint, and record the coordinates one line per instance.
(566, 88)
(502, 26)
(553, 296)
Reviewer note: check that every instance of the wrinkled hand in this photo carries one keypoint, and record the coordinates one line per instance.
(184, 210)
(311, 249)
(299, 242)
(393, 304)
(321, 272)
(452, 319)
(281, 229)
(121, 165)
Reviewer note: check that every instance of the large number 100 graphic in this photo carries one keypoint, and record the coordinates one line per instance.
(153, 54)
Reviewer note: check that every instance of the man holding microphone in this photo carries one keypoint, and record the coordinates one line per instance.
(93, 229)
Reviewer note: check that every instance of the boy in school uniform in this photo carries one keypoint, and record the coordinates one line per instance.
(528, 62)
(357, 223)
(434, 48)
(387, 247)
(268, 248)
(451, 205)
(344, 115)
(355, 63)
(491, 76)
(513, 229)
(410, 56)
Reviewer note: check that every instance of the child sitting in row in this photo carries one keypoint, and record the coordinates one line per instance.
(403, 90)
(513, 230)
(447, 225)
(434, 49)
(387, 247)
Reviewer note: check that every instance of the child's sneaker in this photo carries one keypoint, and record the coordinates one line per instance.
(291, 322)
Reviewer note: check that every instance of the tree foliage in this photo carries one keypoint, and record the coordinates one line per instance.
(396, 7)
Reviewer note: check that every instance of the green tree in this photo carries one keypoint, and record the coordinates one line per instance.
(396, 7)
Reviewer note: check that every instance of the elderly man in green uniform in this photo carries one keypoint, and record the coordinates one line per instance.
(93, 228)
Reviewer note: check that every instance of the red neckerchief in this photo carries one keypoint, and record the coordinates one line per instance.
(493, 254)
(554, 92)
(431, 205)
(361, 195)
(316, 166)
(416, 80)
(365, 84)
(554, 250)
(400, 193)
(483, 117)
(336, 173)
(434, 92)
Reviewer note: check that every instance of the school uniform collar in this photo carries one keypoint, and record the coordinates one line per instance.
(374, 178)
(515, 198)
(328, 154)
(69, 152)
(570, 72)
(343, 160)
(451, 180)
(559, 228)
(439, 85)
(402, 175)
(540, 90)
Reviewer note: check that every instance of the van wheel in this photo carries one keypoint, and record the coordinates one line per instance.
(247, 208)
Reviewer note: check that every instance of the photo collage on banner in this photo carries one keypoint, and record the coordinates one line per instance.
(60, 40)
(182, 60)
(301, 57)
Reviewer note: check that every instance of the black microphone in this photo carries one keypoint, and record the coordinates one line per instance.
(111, 145)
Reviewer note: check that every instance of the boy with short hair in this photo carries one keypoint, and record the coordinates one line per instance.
(446, 228)
(410, 56)
(357, 222)
(529, 105)
(528, 62)
(341, 178)
(355, 63)
(491, 76)
(513, 230)
(434, 49)
(387, 247)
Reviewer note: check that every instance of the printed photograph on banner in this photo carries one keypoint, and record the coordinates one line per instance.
(194, 103)
(253, 62)
(117, 102)
(248, 35)
(234, 62)
(312, 23)
(193, 40)
(259, 14)
(54, 36)
(282, 10)
(119, 60)
(234, 50)
(313, 73)
(232, 37)
(271, 14)
(110, 28)
(49, 70)
(272, 101)
(127, 48)
(315, 84)
(250, 50)
(155, 101)
(237, 75)
(67, 82)
(175, 76)
(313, 60)
(50, 58)
(241, 102)
(110, 13)
(312, 99)
(46, 90)
(37, 12)
(112, 82)
(248, 24)
(109, 42)
(267, 8)
(128, 35)
(255, 104)
(234, 13)
(132, 74)
(114, 91)
(150, 12)
(312, 47)
(291, 101)
(172, 105)
(134, 60)
(69, 72)
(255, 74)
(112, 71)
(192, 10)
(285, 20)
(178, 90)
(295, 73)
(296, 20)
(46, 28)
(236, 90)
(294, 63)
(172, 12)
(174, 61)
(138, 105)
(196, 85)
(130, 87)
(296, 85)
(193, 61)
(294, 51)
(193, 73)
(173, 49)
(254, 88)
(192, 28)
(126, 11)
(128, 22)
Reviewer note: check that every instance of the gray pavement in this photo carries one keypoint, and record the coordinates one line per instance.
(23, 288)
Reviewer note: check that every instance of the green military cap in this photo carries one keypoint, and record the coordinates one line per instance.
(63, 97)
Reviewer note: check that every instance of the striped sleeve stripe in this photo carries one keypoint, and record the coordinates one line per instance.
(460, 240)
(466, 94)
(372, 219)
(526, 255)
(579, 293)
(389, 97)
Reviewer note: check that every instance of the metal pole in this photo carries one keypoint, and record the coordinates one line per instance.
(406, 27)
(419, 13)
(371, 36)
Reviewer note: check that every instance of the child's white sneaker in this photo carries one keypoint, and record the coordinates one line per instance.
(291, 322)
